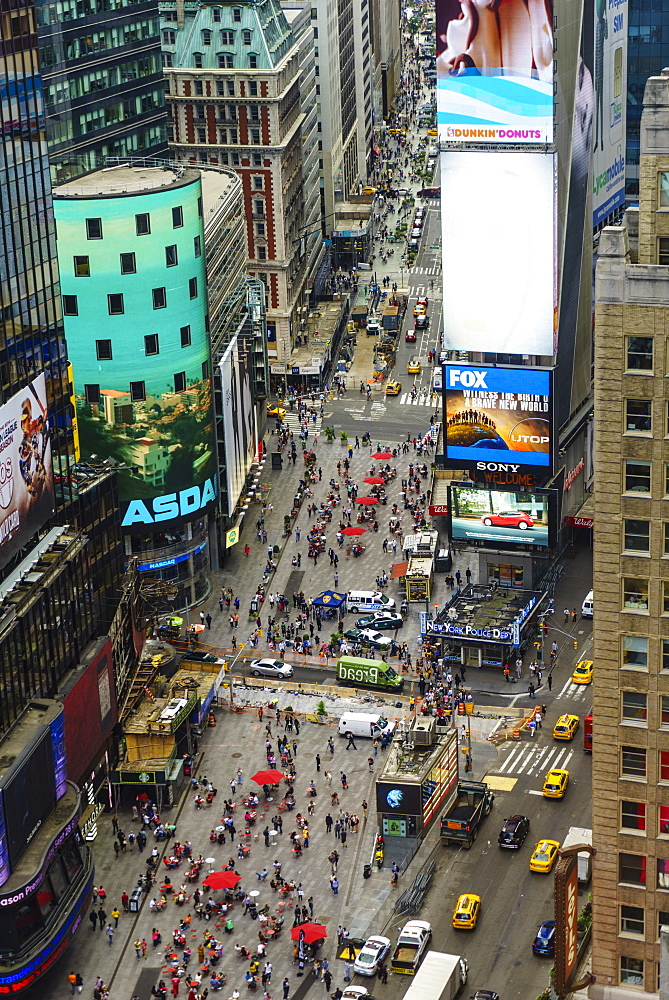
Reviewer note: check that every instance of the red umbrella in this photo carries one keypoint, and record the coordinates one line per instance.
(382, 454)
(367, 501)
(222, 880)
(270, 777)
(374, 480)
(312, 932)
(353, 531)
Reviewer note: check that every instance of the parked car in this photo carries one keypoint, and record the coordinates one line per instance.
(381, 620)
(370, 956)
(369, 637)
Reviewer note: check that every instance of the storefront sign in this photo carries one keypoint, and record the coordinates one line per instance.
(469, 632)
(573, 475)
(438, 508)
(580, 522)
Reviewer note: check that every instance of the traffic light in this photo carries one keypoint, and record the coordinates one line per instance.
(575, 644)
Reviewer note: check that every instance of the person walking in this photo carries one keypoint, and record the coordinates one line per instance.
(327, 979)
(334, 885)
(328, 823)
(102, 916)
(286, 988)
(364, 808)
(550, 680)
(370, 764)
(344, 780)
(351, 742)
(115, 915)
(72, 980)
(331, 746)
(531, 690)
(138, 948)
(318, 762)
(110, 934)
(93, 917)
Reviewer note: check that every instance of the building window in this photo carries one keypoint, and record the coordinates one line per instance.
(255, 136)
(260, 228)
(665, 655)
(92, 394)
(663, 250)
(143, 224)
(151, 344)
(662, 921)
(664, 189)
(665, 597)
(631, 971)
(253, 63)
(634, 707)
(256, 159)
(632, 868)
(637, 476)
(82, 268)
(167, 59)
(663, 821)
(632, 920)
(192, 288)
(103, 350)
(197, 246)
(201, 134)
(633, 815)
(635, 651)
(137, 392)
(637, 535)
(664, 765)
(230, 88)
(115, 304)
(220, 88)
(259, 206)
(253, 88)
(171, 256)
(640, 353)
(262, 253)
(226, 60)
(159, 298)
(185, 336)
(177, 217)
(128, 264)
(638, 417)
(180, 382)
(246, 37)
(237, 15)
(206, 36)
(227, 37)
(632, 762)
(216, 14)
(198, 60)
(199, 88)
(169, 37)
(205, 370)
(663, 873)
(70, 305)
(232, 136)
(93, 229)
(258, 182)
(635, 594)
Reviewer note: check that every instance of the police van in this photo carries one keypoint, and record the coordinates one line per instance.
(368, 600)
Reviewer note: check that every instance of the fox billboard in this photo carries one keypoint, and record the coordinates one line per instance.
(497, 419)
(495, 72)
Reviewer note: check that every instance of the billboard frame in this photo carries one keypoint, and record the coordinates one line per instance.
(504, 544)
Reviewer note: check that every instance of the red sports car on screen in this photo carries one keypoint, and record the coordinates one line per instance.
(508, 519)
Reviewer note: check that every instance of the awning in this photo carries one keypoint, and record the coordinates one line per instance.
(399, 569)
(585, 517)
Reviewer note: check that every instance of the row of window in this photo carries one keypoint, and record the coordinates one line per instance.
(137, 389)
(104, 349)
(229, 136)
(83, 84)
(635, 653)
(225, 114)
(633, 870)
(116, 303)
(224, 88)
(638, 476)
(101, 41)
(224, 60)
(142, 224)
(633, 816)
(216, 14)
(635, 592)
(227, 36)
(634, 708)
(128, 261)
(634, 764)
(632, 920)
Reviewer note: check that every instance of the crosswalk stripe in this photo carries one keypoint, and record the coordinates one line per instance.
(418, 401)
(533, 760)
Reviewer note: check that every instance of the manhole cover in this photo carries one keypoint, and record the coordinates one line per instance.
(237, 755)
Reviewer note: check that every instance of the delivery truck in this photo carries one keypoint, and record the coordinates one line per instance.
(440, 977)
(580, 835)
(412, 944)
(464, 815)
(356, 671)
(390, 319)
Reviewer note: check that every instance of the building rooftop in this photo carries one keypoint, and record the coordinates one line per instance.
(217, 186)
(125, 179)
(480, 609)
(413, 762)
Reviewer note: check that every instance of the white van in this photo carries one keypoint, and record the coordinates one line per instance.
(362, 724)
(368, 600)
(588, 607)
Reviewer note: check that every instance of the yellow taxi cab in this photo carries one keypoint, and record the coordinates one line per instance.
(276, 411)
(555, 783)
(393, 388)
(466, 912)
(583, 672)
(368, 190)
(432, 131)
(397, 131)
(565, 727)
(419, 309)
(413, 368)
(544, 855)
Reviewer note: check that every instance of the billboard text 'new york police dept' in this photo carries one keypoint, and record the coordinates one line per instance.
(495, 71)
(498, 237)
(497, 418)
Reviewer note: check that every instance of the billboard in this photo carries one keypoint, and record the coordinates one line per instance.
(498, 225)
(90, 713)
(497, 418)
(566, 921)
(495, 71)
(610, 82)
(29, 794)
(399, 798)
(500, 518)
(239, 421)
(26, 468)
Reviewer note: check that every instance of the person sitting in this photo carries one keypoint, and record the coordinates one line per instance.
(262, 875)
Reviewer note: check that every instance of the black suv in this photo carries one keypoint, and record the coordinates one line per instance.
(514, 831)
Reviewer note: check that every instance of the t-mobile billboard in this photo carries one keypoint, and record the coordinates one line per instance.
(608, 154)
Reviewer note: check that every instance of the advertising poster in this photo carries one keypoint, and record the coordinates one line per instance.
(500, 518)
(239, 422)
(495, 71)
(497, 417)
(498, 225)
(608, 152)
(26, 470)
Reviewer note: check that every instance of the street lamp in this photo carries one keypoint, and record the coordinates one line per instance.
(241, 650)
